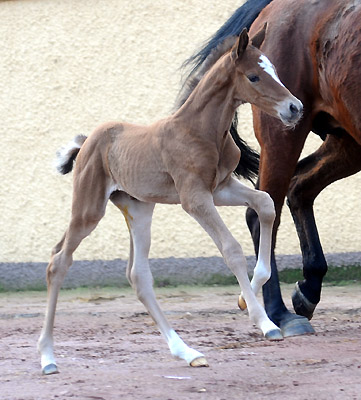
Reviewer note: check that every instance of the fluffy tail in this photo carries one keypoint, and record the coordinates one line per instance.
(66, 156)
(243, 17)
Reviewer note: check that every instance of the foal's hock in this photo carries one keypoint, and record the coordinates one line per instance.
(187, 158)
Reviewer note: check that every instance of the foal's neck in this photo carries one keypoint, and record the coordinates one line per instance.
(211, 106)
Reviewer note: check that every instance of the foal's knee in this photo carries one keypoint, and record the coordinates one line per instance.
(261, 273)
(266, 211)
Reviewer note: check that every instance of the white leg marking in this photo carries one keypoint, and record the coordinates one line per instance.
(179, 349)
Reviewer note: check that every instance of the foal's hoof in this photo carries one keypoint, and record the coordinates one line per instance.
(296, 325)
(301, 304)
(199, 362)
(274, 335)
(50, 369)
(242, 303)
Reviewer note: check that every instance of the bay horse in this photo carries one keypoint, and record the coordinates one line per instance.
(315, 46)
(187, 158)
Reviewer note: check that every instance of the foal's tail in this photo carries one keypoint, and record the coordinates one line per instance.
(66, 156)
(242, 18)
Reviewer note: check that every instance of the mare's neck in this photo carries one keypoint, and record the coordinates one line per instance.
(210, 108)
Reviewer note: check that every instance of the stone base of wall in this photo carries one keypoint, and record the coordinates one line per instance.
(173, 271)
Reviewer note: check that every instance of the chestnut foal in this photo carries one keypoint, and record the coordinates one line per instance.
(187, 158)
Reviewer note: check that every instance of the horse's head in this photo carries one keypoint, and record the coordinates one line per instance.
(256, 81)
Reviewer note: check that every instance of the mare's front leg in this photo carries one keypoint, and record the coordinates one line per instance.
(138, 216)
(337, 158)
(280, 150)
(200, 205)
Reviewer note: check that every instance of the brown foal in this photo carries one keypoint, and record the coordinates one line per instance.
(187, 158)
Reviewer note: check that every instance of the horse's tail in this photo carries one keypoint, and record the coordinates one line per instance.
(248, 165)
(66, 156)
(242, 18)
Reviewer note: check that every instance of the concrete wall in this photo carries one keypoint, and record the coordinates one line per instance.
(65, 67)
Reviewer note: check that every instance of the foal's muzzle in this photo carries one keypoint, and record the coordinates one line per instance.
(291, 112)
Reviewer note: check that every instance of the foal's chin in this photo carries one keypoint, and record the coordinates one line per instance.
(290, 124)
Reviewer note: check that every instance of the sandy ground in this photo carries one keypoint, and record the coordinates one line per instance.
(108, 348)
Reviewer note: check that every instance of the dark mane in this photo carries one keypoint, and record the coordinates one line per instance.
(200, 62)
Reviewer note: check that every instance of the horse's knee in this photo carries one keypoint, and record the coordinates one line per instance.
(261, 273)
(266, 211)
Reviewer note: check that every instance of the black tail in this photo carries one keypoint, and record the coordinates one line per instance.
(248, 165)
(66, 156)
(243, 17)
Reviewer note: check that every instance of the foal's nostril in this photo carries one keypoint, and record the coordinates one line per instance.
(294, 109)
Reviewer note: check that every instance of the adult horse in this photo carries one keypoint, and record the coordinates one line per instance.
(316, 47)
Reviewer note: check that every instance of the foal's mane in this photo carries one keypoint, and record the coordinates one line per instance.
(196, 75)
(249, 162)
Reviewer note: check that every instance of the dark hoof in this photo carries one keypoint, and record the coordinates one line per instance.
(301, 304)
(296, 326)
(274, 335)
(50, 369)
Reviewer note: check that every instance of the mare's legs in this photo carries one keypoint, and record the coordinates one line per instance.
(337, 158)
(201, 206)
(280, 150)
(138, 216)
(88, 208)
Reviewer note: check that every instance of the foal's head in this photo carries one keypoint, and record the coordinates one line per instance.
(256, 81)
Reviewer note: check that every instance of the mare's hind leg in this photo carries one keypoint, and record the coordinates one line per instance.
(88, 209)
(201, 206)
(138, 216)
(337, 158)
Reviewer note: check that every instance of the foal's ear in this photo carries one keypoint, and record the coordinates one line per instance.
(258, 38)
(241, 45)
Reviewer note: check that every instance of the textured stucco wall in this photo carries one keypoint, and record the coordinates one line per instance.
(65, 67)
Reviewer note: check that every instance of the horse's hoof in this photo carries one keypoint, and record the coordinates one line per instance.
(296, 325)
(50, 369)
(199, 362)
(274, 335)
(242, 303)
(301, 304)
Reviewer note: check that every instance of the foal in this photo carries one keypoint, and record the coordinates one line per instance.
(187, 158)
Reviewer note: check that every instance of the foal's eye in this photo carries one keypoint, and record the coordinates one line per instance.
(253, 78)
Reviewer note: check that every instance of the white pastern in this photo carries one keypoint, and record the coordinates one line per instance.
(266, 64)
(180, 350)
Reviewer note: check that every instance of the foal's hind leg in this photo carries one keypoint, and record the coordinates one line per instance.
(337, 158)
(85, 218)
(138, 216)
(200, 205)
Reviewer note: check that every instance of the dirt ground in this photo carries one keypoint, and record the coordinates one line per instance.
(108, 348)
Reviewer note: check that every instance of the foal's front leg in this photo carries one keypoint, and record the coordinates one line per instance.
(237, 194)
(138, 216)
(201, 206)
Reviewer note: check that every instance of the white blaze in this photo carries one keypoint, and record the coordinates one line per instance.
(266, 64)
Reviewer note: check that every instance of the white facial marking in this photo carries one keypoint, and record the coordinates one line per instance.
(266, 64)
